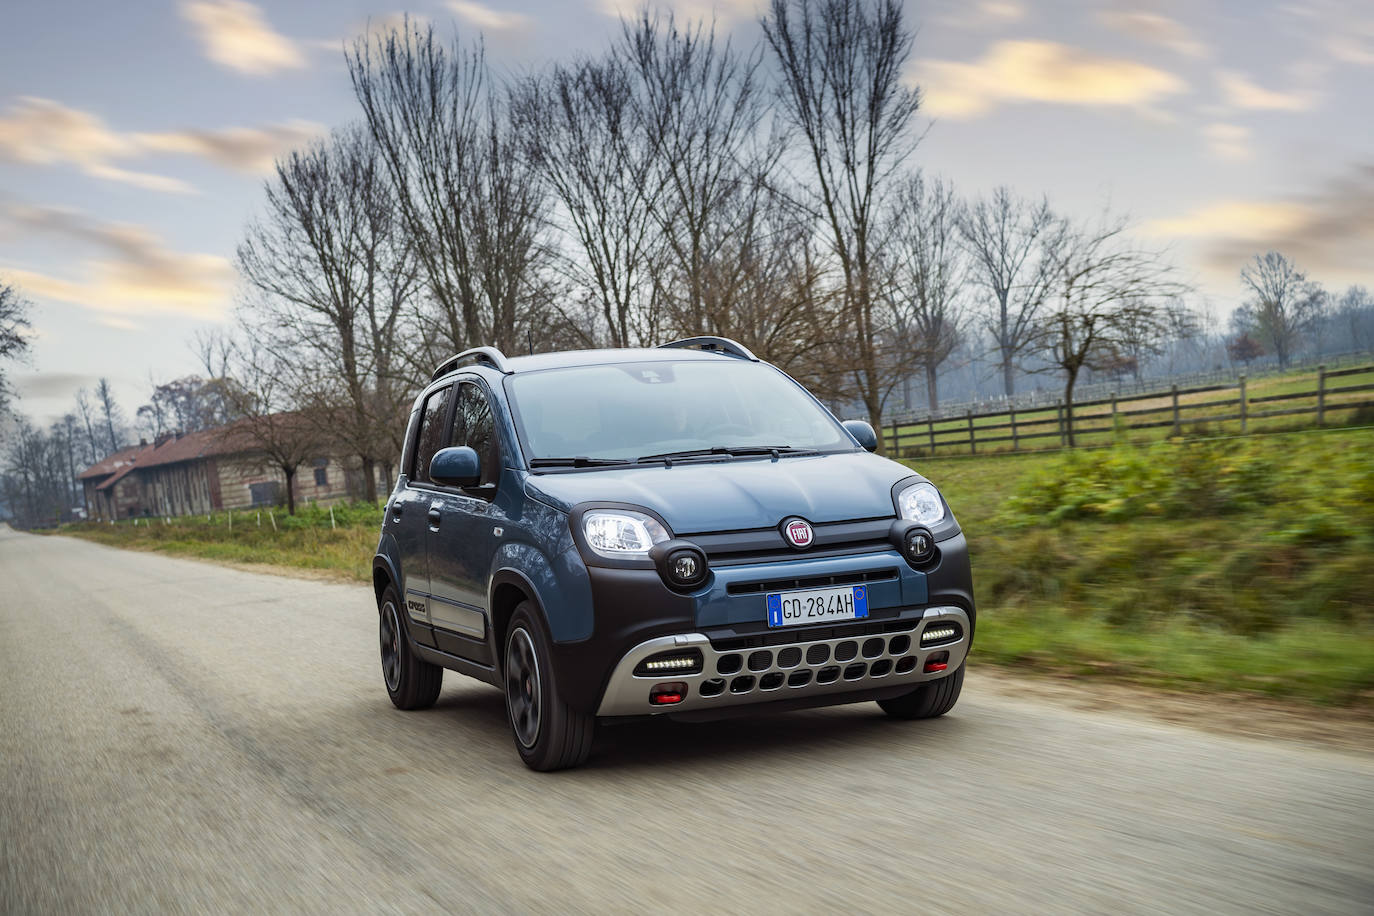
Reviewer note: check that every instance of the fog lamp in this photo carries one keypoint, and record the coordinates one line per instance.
(686, 568)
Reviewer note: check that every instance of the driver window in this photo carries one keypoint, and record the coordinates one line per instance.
(475, 427)
(431, 433)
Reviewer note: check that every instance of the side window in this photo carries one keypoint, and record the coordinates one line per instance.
(474, 426)
(431, 434)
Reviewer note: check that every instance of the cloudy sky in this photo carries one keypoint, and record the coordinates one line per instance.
(134, 137)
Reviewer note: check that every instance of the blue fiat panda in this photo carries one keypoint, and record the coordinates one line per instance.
(679, 531)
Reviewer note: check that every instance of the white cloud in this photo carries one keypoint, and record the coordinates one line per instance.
(1039, 71)
(488, 19)
(235, 34)
(986, 14)
(1228, 141)
(722, 12)
(131, 273)
(1328, 231)
(1153, 27)
(44, 132)
(1241, 93)
(243, 149)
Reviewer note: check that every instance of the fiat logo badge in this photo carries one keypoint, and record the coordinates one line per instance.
(798, 532)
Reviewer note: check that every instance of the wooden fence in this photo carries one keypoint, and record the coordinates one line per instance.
(1101, 421)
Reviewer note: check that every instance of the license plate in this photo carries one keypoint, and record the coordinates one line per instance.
(817, 605)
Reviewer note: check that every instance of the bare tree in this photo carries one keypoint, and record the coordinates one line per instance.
(14, 333)
(1107, 293)
(704, 111)
(473, 207)
(1356, 312)
(270, 425)
(334, 274)
(1285, 303)
(840, 64)
(769, 285)
(1007, 237)
(582, 128)
(85, 411)
(928, 275)
(111, 416)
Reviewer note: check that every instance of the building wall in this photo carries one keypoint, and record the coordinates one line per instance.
(237, 474)
(177, 489)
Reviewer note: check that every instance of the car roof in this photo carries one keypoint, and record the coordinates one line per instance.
(565, 359)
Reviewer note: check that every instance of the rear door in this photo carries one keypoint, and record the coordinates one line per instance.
(464, 533)
(408, 513)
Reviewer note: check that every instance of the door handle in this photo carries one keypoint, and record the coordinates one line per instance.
(396, 511)
(434, 518)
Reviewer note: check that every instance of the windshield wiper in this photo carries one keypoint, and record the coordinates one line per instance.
(581, 461)
(732, 451)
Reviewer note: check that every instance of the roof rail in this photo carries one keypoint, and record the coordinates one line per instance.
(489, 355)
(711, 344)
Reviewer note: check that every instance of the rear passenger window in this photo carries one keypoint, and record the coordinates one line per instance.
(431, 435)
(474, 426)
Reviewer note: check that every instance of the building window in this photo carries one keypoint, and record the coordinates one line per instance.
(321, 477)
(264, 494)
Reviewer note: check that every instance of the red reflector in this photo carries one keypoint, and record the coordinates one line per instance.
(665, 699)
(935, 666)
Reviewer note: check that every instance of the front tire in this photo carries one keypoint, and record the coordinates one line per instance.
(411, 682)
(931, 699)
(549, 735)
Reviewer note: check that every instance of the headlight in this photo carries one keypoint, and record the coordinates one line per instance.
(921, 502)
(620, 533)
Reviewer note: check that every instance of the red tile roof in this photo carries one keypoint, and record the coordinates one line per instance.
(111, 463)
(116, 477)
(222, 440)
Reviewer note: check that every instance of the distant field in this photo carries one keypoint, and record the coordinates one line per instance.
(1199, 413)
(1239, 566)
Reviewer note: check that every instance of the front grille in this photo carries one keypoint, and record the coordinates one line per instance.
(782, 585)
(765, 545)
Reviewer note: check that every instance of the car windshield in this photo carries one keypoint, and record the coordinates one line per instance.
(630, 411)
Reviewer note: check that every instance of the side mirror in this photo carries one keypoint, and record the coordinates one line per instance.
(864, 433)
(458, 466)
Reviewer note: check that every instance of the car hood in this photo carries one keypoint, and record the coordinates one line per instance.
(700, 496)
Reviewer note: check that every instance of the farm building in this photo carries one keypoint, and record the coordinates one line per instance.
(201, 472)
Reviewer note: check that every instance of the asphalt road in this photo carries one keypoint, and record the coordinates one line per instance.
(180, 736)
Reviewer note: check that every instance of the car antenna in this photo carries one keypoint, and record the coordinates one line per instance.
(529, 339)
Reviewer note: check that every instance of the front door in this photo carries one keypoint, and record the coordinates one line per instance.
(407, 513)
(464, 528)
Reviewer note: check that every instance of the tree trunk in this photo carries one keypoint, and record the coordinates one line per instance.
(369, 480)
(290, 490)
(1008, 376)
(932, 389)
(875, 419)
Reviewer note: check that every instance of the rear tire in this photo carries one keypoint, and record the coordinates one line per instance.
(548, 734)
(931, 699)
(411, 682)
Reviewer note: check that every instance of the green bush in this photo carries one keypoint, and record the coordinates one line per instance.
(1167, 479)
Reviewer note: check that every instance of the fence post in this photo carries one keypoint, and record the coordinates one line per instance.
(896, 441)
(930, 427)
(1321, 395)
(1015, 445)
(1177, 429)
(1114, 394)
(1244, 405)
(1059, 418)
(972, 443)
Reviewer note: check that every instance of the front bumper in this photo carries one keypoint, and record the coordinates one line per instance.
(819, 670)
